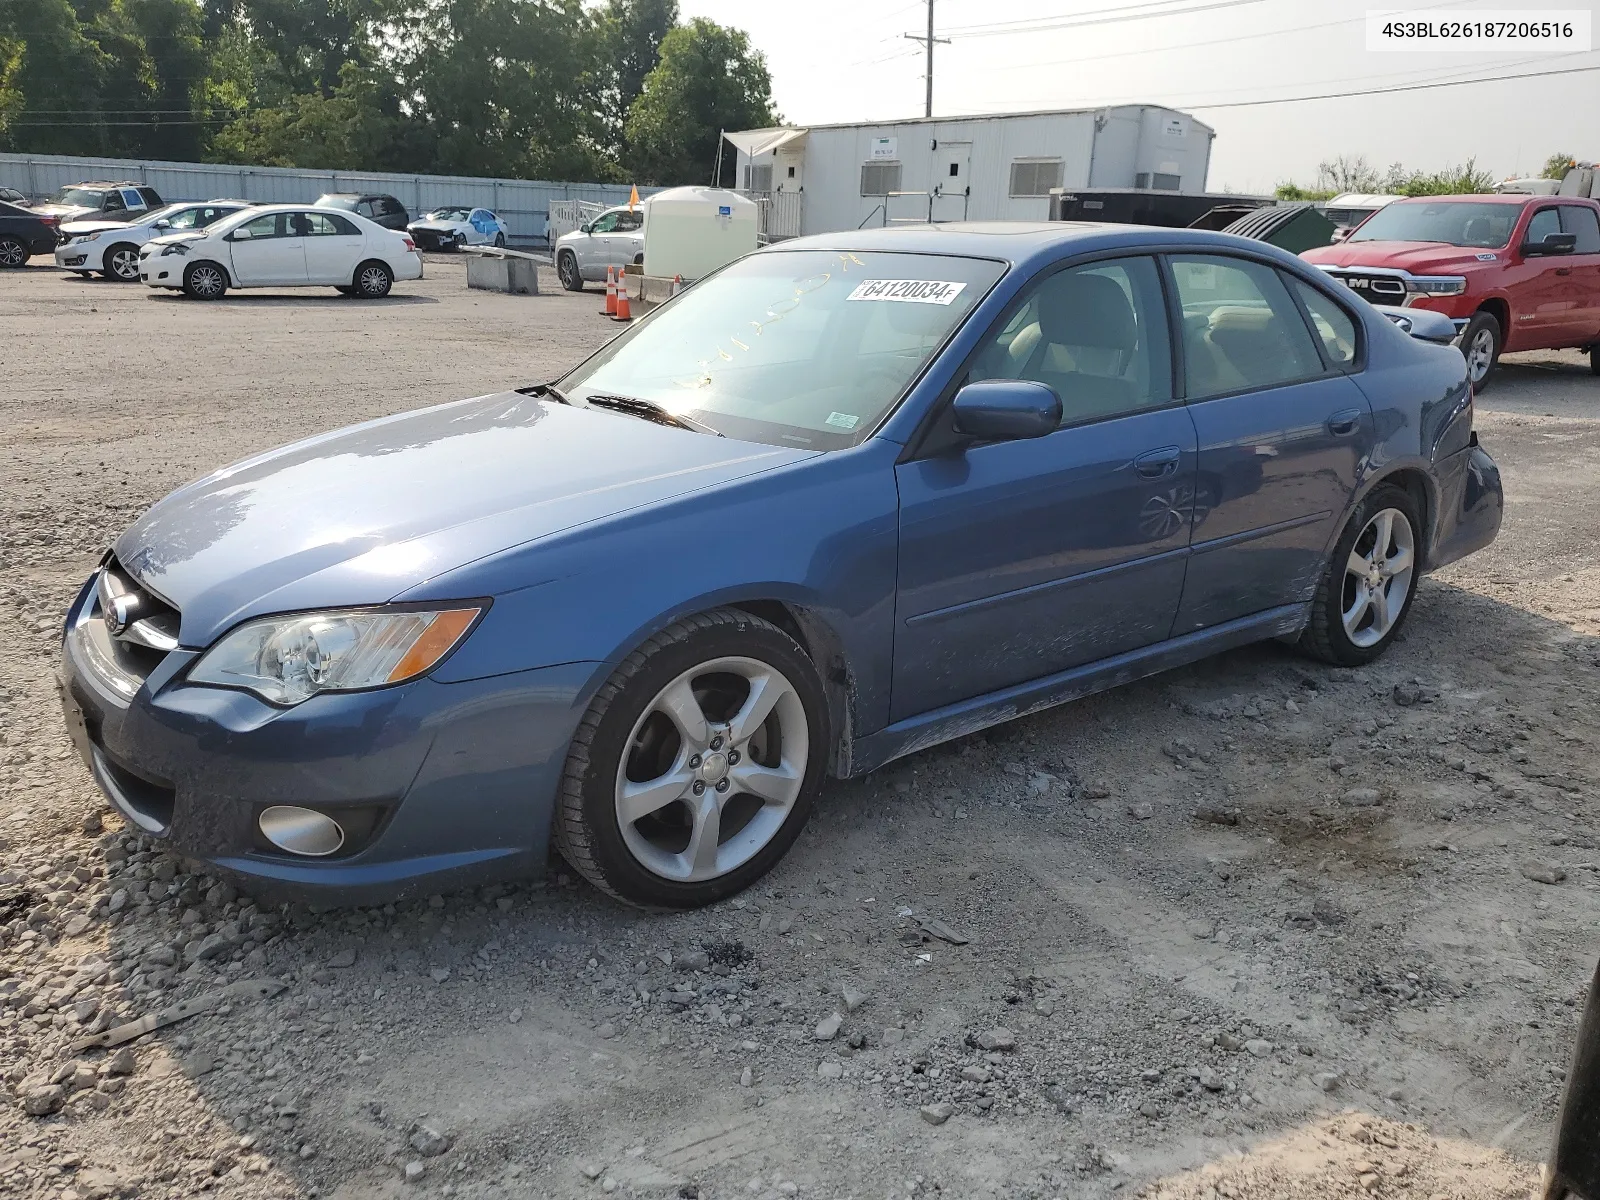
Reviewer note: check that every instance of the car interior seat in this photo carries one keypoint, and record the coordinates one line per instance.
(1084, 345)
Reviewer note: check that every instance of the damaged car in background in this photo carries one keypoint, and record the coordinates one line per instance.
(847, 498)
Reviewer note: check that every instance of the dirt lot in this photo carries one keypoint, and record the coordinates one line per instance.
(1191, 956)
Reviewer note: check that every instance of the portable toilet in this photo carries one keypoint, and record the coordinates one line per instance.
(691, 231)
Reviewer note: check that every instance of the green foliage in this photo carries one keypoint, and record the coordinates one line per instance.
(1293, 191)
(524, 88)
(1353, 174)
(709, 79)
(1557, 166)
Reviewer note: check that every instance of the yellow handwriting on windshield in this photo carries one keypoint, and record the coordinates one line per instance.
(776, 311)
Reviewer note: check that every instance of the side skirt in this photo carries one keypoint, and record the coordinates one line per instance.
(970, 716)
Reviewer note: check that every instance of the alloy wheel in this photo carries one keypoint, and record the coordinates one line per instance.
(125, 264)
(712, 768)
(12, 253)
(1378, 577)
(569, 273)
(373, 281)
(206, 281)
(1480, 355)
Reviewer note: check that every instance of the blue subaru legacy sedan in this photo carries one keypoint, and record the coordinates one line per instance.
(845, 499)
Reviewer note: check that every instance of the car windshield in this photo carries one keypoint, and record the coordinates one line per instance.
(348, 203)
(77, 197)
(1452, 222)
(800, 348)
(449, 214)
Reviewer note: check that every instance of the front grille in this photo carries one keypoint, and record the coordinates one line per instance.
(1374, 289)
(129, 629)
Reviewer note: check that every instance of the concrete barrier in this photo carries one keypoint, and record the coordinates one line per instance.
(498, 270)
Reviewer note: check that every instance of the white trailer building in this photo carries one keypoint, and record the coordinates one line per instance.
(830, 177)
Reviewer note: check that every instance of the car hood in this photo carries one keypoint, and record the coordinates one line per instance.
(360, 515)
(79, 228)
(1420, 258)
(185, 235)
(64, 211)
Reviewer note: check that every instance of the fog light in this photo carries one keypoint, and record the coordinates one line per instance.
(301, 830)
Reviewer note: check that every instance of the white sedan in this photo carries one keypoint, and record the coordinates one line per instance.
(455, 227)
(282, 245)
(112, 247)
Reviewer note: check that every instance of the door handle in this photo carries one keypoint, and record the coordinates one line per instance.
(1344, 422)
(1563, 270)
(1158, 464)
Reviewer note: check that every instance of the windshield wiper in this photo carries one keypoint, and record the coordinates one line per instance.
(650, 411)
(544, 389)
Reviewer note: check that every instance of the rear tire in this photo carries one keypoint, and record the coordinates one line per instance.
(373, 280)
(13, 252)
(689, 724)
(1367, 589)
(567, 269)
(204, 281)
(121, 263)
(1480, 346)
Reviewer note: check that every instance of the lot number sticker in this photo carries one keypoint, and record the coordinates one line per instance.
(907, 291)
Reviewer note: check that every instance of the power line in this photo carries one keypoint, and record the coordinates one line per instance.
(972, 31)
(1222, 41)
(1380, 91)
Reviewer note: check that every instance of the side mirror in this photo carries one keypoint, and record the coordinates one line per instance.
(1340, 234)
(163, 223)
(1574, 1168)
(1006, 410)
(585, 227)
(1554, 243)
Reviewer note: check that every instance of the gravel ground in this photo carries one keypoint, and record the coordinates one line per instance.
(1252, 928)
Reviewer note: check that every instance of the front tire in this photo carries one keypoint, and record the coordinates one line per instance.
(121, 263)
(1370, 582)
(1480, 346)
(204, 281)
(697, 764)
(499, 241)
(373, 280)
(567, 269)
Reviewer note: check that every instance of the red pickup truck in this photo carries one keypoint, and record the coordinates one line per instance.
(1513, 272)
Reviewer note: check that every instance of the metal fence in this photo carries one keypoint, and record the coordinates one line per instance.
(778, 214)
(525, 204)
(567, 215)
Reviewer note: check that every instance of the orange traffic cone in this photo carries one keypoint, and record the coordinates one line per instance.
(624, 311)
(610, 310)
(677, 284)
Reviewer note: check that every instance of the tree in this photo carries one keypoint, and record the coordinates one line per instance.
(1557, 166)
(1347, 173)
(709, 80)
(632, 32)
(49, 80)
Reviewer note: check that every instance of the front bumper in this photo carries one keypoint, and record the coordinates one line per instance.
(448, 785)
(74, 257)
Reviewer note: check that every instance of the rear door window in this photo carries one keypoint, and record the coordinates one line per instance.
(627, 221)
(1336, 329)
(1241, 329)
(1581, 220)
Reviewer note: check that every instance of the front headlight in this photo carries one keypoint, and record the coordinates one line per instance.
(1437, 285)
(86, 237)
(289, 659)
(175, 248)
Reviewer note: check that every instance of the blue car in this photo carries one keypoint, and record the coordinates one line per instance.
(848, 498)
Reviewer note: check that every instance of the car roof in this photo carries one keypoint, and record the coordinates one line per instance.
(106, 183)
(363, 195)
(1023, 242)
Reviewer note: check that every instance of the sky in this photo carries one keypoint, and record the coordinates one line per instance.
(847, 60)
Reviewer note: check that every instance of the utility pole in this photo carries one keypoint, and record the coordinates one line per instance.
(928, 41)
